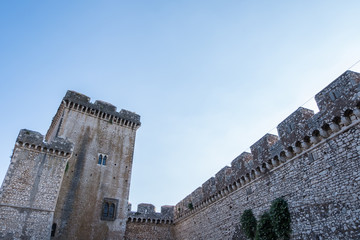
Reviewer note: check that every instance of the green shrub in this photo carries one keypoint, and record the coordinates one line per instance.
(280, 217)
(190, 206)
(248, 223)
(264, 230)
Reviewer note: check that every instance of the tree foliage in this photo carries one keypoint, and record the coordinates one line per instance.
(190, 206)
(248, 223)
(265, 229)
(280, 217)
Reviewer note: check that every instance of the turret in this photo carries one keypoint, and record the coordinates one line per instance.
(30, 190)
(96, 185)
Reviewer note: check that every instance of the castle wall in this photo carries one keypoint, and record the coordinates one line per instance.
(146, 224)
(90, 189)
(148, 231)
(314, 165)
(321, 187)
(29, 192)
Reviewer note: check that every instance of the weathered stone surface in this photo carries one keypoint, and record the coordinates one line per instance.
(145, 223)
(342, 92)
(294, 127)
(146, 213)
(261, 149)
(148, 231)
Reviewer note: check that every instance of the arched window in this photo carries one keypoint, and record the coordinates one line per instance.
(109, 209)
(102, 159)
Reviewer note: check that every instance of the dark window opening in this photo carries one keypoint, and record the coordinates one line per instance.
(105, 209)
(109, 209)
(102, 159)
(53, 229)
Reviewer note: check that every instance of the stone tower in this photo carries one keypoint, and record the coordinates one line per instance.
(94, 194)
(29, 192)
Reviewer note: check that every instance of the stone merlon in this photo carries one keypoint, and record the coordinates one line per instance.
(261, 149)
(342, 91)
(75, 97)
(294, 126)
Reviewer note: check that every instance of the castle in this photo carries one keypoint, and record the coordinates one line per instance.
(73, 183)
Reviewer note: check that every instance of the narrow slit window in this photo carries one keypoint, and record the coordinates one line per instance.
(100, 159)
(53, 230)
(111, 210)
(104, 160)
(106, 209)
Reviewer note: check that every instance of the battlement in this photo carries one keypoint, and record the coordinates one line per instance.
(302, 131)
(35, 141)
(146, 214)
(101, 109)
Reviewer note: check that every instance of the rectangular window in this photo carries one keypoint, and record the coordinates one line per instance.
(109, 209)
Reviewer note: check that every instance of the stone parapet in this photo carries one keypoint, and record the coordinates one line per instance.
(146, 214)
(101, 109)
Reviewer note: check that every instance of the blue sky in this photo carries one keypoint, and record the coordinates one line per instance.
(208, 78)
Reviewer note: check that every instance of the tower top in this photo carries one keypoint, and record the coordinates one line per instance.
(81, 99)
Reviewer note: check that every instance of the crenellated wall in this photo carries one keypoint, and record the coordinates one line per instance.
(146, 213)
(99, 109)
(148, 224)
(314, 164)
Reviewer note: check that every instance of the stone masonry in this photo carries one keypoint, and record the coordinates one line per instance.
(145, 223)
(30, 190)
